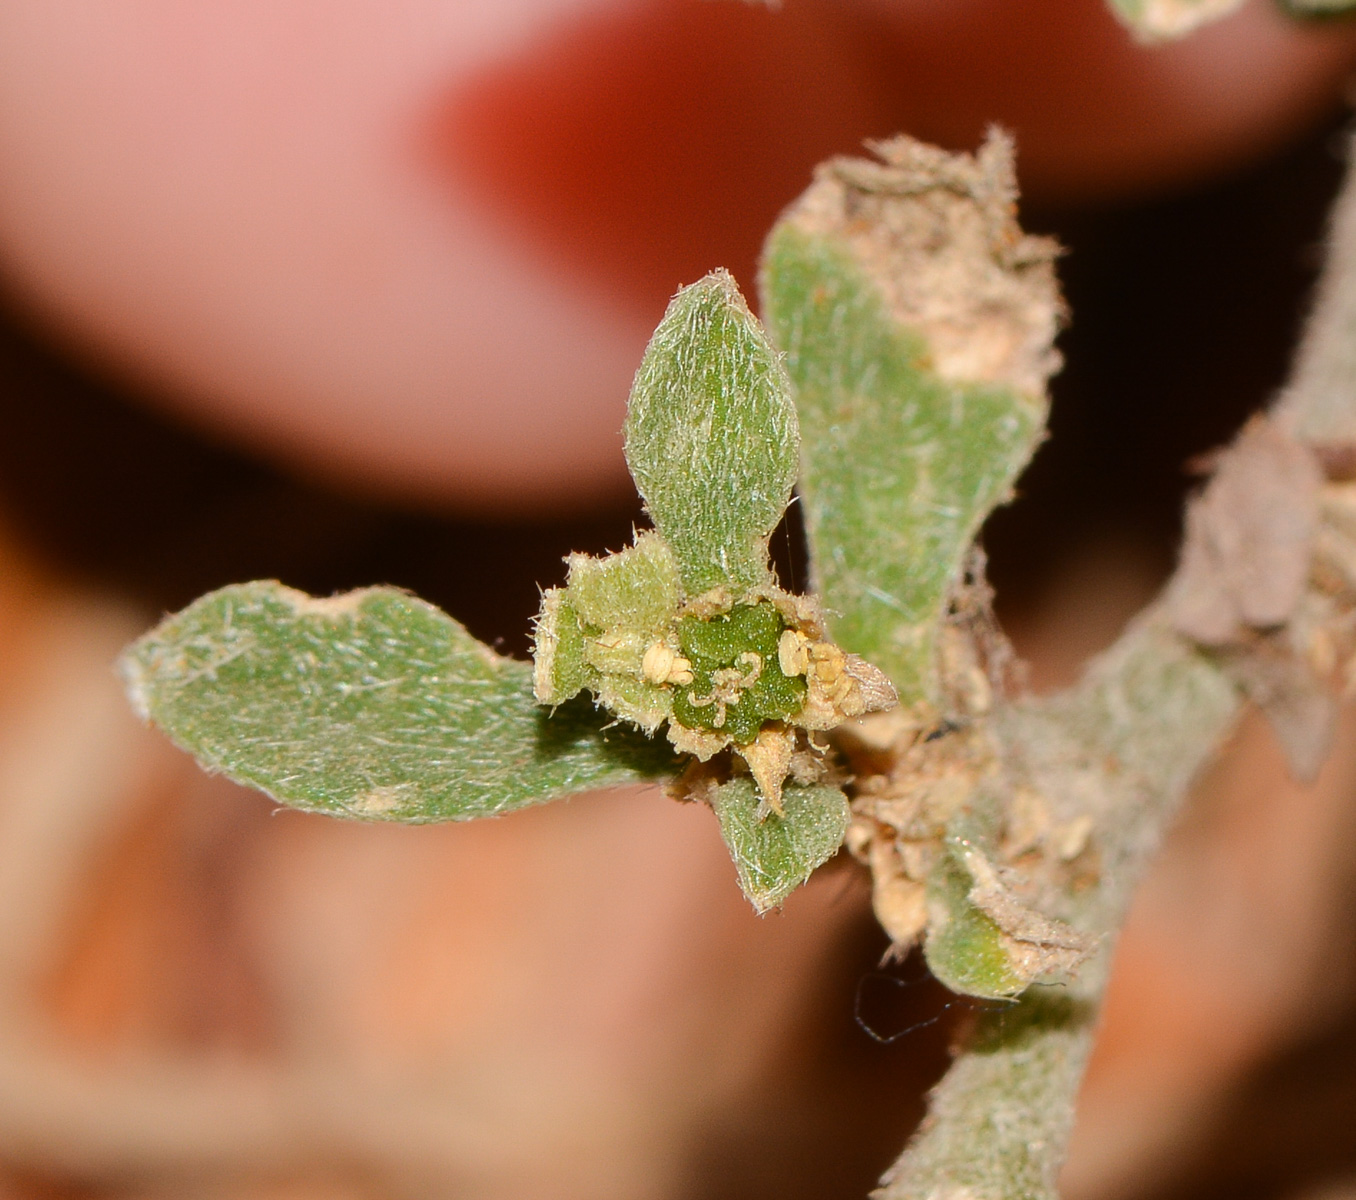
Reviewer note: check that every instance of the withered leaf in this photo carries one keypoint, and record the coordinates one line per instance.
(1245, 559)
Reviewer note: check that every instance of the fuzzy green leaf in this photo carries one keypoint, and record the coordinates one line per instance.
(711, 437)
(560, 651)
(774, 855)
(903, 460)
(371, 705)
(901, 468)
(983, 938)
(635, 589)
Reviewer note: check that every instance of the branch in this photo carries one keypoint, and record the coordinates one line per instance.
(1319, 404)
(1123, 746)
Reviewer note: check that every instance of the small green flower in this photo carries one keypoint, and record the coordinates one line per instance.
(687, 626)
(738, 685)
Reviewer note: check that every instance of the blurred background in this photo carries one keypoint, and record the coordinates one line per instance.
(344, 292)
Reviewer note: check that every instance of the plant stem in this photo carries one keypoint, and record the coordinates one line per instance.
(1319, 404)
(1131, 736)
(1124, 744)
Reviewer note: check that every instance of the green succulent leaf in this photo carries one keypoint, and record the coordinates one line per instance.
(560, 652)
(983, 938)
(711, 437)
(774, 855)
(373, 705)
(919, 404)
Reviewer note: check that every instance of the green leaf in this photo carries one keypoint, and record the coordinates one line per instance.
(637, 700)
(635, 589)
(919, 362)
(711, 437)
(774, 855)
(901, 467)
(984, 938)
(560, 651)
(371, 705)
(965, 947)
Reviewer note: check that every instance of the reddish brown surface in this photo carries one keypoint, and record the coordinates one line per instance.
(647, 145)
(420, 245)
(652, 144)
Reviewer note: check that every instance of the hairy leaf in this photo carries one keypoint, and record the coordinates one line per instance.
(773, 854)
(636, 588)
(711, 437)
(917, 324)
(562, 669)
(983, 939)
(371, 705)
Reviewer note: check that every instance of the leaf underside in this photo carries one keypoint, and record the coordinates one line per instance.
(372, 705)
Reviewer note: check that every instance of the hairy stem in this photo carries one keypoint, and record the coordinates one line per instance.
(1131, 736)
(1320, 402)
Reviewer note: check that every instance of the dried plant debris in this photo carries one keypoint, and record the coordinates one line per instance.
(901, 811)
(1267, 579)
(1249, 536)
(938, 236)
(978, 889)
(1324, 627)
(1298, 674)
(1037, 946)
(977, 666)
